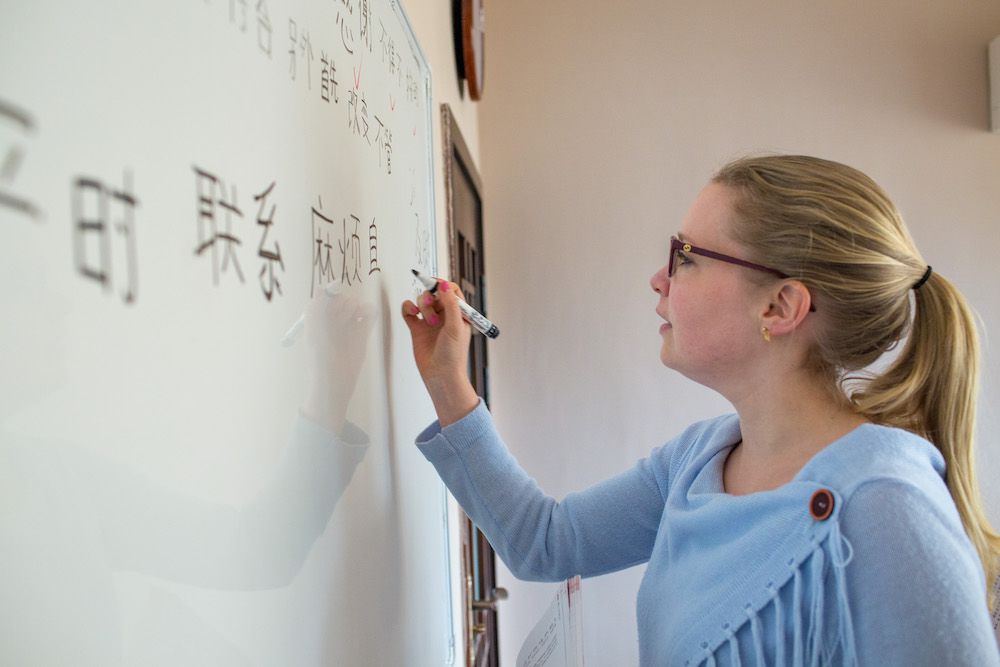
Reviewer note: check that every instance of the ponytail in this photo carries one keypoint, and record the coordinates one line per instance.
(836, 230)
(931, 390)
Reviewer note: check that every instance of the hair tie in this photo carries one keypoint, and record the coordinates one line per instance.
(923, 279)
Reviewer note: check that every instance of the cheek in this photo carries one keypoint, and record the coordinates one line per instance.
(707, 330)
(690, 324)
(688, 312)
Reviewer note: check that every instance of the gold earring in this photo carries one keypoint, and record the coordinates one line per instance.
(767, 334)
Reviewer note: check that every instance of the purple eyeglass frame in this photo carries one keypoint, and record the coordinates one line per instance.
(676, 244)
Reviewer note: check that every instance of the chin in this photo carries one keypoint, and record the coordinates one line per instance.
(672, 363)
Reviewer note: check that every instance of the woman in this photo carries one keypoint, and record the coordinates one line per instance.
(835, 518)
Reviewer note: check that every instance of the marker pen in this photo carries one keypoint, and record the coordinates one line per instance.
(475, 318)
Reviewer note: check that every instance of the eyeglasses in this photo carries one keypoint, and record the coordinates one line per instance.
(678, 247)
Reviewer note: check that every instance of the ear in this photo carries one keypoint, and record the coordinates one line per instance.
(788, 306)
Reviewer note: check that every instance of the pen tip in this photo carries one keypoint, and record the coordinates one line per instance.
(414, 272)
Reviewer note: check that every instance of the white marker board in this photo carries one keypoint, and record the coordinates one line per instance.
(179, 182)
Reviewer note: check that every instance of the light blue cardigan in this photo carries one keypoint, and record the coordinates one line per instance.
(888, 578)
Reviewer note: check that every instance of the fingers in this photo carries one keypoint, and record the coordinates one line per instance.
(434, 309)
(410, 314)
(430, 309)
(428, 312)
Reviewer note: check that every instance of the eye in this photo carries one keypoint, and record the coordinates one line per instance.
(682, 258)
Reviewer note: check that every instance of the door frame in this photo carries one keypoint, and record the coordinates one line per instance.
(479, 613)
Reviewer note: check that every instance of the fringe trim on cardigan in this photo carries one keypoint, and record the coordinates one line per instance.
(807, 640)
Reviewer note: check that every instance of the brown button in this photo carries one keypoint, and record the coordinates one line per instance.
(821, 505)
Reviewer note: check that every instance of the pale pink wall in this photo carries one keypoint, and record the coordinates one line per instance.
(600, 123)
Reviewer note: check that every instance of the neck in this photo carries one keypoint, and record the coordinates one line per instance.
(785, 423)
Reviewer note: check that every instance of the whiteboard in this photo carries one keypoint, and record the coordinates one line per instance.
(180, 183)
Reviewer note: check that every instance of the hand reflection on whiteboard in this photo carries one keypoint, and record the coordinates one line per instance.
(205, 544)
(337, 327)
(82, 517)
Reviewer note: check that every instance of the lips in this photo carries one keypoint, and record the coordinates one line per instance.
(666, 325)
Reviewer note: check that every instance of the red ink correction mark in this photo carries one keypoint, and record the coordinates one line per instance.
(392, 104)
(357, 78)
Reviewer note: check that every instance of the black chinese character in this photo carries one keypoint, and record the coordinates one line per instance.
(263, 28)
(271, 256)
(206, 186)
(93, 207)
(373, 248)
(329, 79)
(12, 162)
(322, 227)
(350, 251)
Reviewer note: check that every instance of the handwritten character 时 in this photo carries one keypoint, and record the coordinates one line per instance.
(104, 216)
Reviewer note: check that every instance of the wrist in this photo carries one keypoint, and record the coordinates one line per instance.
(453, 399)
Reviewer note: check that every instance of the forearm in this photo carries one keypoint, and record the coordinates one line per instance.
(499, 497)
(609, 526)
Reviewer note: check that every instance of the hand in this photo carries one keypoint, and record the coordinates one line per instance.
(441, 339)
(337, 328)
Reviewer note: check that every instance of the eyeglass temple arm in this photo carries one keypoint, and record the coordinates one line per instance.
(742, 262)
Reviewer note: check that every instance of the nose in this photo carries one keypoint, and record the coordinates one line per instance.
(660, 282)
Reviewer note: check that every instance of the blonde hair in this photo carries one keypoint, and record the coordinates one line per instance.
(833, 228)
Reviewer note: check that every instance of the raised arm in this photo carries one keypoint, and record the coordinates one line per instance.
(607, 527)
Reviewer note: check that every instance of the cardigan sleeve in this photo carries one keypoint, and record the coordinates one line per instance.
(916, 585)
(607, 527)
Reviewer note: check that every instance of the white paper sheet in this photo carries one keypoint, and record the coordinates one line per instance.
(556, 640)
